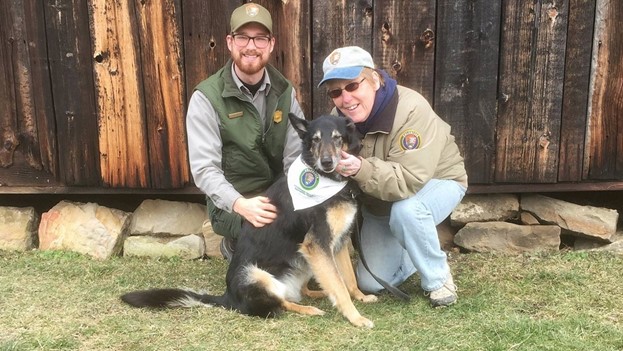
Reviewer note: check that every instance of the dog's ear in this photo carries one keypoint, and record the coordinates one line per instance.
(350, 125)
(299, 124)
(352, 135)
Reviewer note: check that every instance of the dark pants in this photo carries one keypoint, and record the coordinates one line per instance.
(224, 223)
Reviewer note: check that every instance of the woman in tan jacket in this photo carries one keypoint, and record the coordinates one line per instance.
(410, 171)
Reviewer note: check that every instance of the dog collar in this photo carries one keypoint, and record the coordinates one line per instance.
(308, 188)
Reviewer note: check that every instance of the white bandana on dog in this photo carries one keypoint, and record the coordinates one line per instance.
(308, 188)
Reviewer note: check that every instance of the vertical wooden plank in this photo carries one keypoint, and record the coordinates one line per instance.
(205, 48)
(604, 151)
(72, 86)
(466, 77)
(336, 24)
(26, 84)
(404, 42)
(26, 152)
(24, 100)
(575, 99)
(531, 65)
(43, 105)
(292, 45)
(161, 62)
(8, 108)
(124, 159)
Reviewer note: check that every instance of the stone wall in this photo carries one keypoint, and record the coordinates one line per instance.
(511, 224)
(499, 223)
(156, 228)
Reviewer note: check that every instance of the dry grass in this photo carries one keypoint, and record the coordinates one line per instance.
(64, 301)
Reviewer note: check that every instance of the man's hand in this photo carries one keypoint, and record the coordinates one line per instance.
(257, 210)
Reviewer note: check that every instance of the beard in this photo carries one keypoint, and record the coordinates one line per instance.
(250, 66)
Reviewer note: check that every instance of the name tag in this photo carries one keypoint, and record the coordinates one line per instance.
(235, 115)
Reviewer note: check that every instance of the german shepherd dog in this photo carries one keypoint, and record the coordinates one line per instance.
(272, 265)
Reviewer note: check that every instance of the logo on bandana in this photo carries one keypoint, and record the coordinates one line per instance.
(308, 179)
(308, 188)
(410, 140)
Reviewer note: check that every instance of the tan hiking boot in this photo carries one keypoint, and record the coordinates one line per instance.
(444, 296)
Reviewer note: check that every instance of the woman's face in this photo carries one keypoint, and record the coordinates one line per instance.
(354, 103)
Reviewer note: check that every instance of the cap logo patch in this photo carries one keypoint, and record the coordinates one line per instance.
(252, 10)
(308, 179)
(410, 140)
(335, 57)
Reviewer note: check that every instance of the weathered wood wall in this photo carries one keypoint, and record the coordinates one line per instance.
(604, 150)
(532, 58)
(93, 92)
(468, 40)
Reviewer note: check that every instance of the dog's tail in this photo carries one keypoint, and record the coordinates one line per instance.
(165, 298)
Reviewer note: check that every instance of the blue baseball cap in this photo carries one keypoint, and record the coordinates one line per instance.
(346, 63)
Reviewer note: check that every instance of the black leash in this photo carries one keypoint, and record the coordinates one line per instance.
(389, 287)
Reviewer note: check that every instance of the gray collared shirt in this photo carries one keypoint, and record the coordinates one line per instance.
(205, 144)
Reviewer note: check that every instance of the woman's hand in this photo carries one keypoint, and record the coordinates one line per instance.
(349, 165)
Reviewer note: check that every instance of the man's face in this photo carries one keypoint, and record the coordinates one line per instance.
(249, 58)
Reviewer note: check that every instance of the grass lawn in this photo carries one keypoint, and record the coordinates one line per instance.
(64, 301)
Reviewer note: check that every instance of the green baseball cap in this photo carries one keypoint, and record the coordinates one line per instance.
(248, 13)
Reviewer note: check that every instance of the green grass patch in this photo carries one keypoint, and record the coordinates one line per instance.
(63, 301)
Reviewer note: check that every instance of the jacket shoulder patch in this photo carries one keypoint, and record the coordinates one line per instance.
(410, 140)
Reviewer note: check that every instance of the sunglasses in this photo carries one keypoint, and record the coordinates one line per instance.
(350, 87)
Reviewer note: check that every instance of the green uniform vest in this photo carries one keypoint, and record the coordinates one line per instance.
(252, 153)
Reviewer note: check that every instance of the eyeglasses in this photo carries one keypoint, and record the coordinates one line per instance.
(260, 41)
(350, 87)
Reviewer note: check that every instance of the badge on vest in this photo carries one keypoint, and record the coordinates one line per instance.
(410, 140)
(277, 116)
(308, 188)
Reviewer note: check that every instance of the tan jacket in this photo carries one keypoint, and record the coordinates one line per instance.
(400, 156)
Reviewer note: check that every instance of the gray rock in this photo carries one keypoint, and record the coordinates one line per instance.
(528, 219)
(508, 238)
(187, 247)
(168, 218)
(616, 247)
(586, 221)
(485, 208)
(18, 228)
(85, 228)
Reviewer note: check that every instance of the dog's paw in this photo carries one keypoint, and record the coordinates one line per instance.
(362, 321)
(369, 298)
(359, 296)
(316, 311)
(311, 311)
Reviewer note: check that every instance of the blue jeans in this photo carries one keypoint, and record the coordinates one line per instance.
(406, 241)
